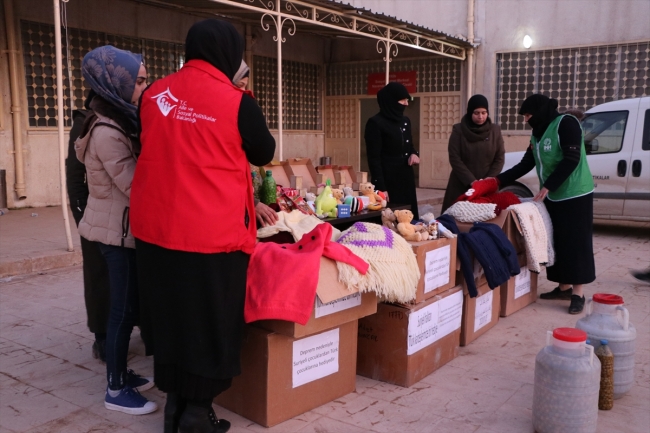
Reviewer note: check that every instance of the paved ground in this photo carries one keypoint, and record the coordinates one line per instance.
(49, 382)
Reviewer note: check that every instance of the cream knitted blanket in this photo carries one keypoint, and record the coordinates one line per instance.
(296, 223)
(393, 272)
(468, 212)
(548, 225)
(534, 232)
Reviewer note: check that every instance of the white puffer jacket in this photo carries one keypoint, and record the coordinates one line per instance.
(110, 161)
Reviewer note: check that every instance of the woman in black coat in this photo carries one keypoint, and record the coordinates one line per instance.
(389, 147)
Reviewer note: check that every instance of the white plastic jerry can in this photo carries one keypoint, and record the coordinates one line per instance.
(603, 322)
(567, 381)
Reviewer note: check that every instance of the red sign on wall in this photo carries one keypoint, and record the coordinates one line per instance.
(378, 80)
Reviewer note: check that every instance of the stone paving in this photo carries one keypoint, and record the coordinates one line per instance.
(49, 382)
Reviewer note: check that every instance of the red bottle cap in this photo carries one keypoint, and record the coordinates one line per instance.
(606, 298)
(571, 335)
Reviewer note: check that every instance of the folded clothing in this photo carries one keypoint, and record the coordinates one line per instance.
(467, 212)
(282, 278)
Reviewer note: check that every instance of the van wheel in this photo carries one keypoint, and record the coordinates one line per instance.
(518, 190)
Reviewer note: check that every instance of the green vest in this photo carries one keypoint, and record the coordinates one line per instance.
(548, 154)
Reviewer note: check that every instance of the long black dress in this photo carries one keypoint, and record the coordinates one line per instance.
(389, 144)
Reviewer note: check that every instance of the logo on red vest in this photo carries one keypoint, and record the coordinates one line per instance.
(164, 101)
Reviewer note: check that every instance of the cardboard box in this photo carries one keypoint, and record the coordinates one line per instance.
(480, 314)
(519, 291)
(328, 172)
(334, 305)
(437, 263)
(304, 168)
(404, 344)
(351, 175)
(281, 172)
(283, 377)
(477, 270)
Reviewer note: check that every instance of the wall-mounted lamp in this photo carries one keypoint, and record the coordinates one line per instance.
(528, 41)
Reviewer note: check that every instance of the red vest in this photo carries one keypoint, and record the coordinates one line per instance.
(192, 188)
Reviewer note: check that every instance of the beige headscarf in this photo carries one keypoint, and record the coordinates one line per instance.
(242, 72)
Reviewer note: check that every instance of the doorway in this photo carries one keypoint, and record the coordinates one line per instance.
(368, 108)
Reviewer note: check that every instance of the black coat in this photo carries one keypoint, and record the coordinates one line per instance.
(389, 144)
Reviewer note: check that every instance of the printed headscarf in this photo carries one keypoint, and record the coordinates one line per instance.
(218, 43)
(543, 111)
(242, 73)
(112, 74)
(387, 98)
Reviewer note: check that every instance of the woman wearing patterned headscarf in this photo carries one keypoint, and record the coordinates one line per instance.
(107, 146)
(193, 219)
(557, 152)
(389, 146)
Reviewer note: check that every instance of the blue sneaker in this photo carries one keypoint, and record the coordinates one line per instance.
(138, 382)
(129, 401)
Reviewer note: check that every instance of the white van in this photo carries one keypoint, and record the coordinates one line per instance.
(617, 141)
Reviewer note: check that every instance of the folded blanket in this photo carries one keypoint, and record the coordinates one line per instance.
(468, 212)
(393, 272)
(548, 225)
(534, 233)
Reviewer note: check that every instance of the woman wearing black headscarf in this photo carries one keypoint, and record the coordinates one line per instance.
(557, 152)
(192, 215)
(389, 146)
(476, 150)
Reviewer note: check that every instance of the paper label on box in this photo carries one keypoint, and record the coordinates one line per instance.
(350, 301)
(315, 357)
(431, 323)
(436, 268)
(522, 283)
(483, 313)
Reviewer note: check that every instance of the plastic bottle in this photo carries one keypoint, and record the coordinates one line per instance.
(606, 394)
(567, 379)
(257, 184)
(607, 319)
(268, 192)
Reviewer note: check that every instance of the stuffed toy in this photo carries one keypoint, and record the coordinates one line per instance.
(338, 195)
(326, 203)
(376, 202)
(356, 204)
(428, 218)
(388, 219)
(310, 198)
(406, 229)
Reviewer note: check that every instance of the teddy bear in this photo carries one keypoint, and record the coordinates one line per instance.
(338, 195)
(326, 203)
(406, 229)
(388, 219)
(376, 201)
(310, 198)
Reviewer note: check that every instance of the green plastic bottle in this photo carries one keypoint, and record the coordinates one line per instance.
(268, 192)
(257, 184)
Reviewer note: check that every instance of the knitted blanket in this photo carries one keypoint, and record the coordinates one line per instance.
(548, 225)
(468, 212)
(534, 233)
(393, 272)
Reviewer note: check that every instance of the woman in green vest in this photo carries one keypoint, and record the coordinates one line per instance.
(557, 152)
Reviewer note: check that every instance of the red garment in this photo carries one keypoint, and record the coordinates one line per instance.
(282, 278)
(192, 189)
(485, 191)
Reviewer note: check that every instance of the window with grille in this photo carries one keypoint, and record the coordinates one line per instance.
(160, 58)
(301, 95)
(434, 74)
(578, 78)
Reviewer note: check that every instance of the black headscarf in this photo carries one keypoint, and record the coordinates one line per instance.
(543, 111)
(218, 43)
(387, 98)
(473, 131)
(477, 101)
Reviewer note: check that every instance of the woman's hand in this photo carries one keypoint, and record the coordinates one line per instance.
(265, 215)
(541, 195)
(414, 159)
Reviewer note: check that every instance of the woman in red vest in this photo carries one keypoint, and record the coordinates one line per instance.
(193, 217)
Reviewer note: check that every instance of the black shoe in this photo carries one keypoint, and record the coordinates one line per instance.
(577, 304)
(99, 350)
(173, 411)
(642, 276)
(556, 293)
(197, 419)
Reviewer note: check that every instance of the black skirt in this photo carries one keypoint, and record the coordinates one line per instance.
(573, 222)
(193, 313)
(400, 183)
